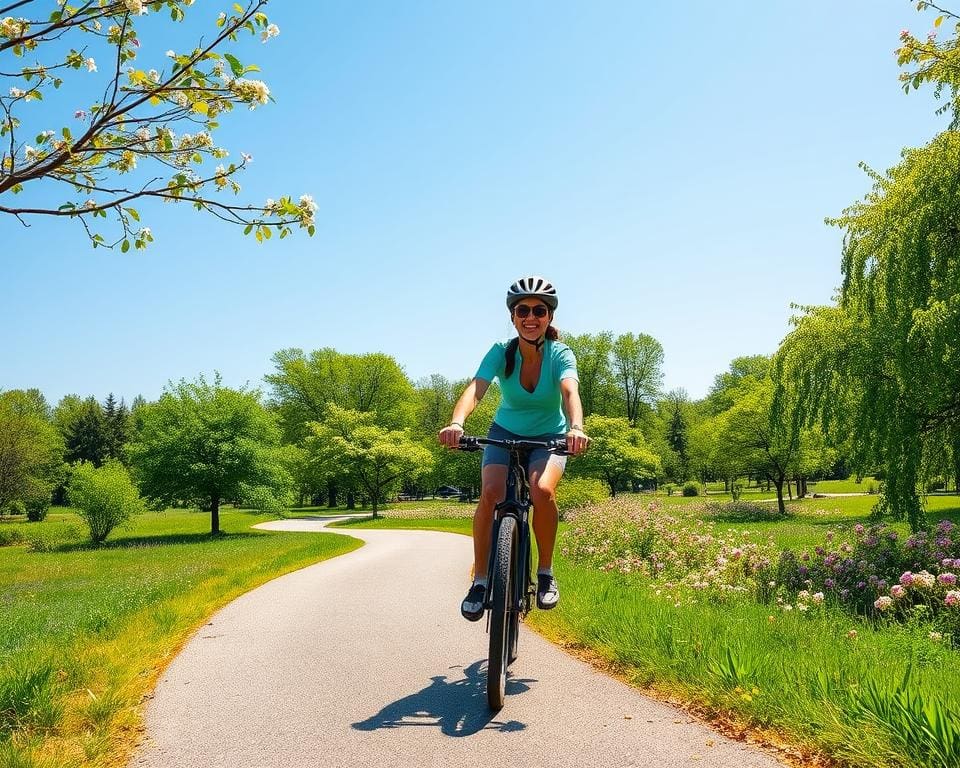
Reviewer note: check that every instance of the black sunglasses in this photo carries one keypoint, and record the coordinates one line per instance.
(523, 310)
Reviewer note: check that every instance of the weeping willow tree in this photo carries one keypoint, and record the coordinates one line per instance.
(882, 367)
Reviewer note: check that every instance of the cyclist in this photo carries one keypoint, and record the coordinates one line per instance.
(540, 400)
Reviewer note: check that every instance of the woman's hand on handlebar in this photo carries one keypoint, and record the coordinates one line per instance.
(577, 441)
(450, 435)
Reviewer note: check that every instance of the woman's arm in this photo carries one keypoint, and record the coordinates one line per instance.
(577, 441)
(472, 395)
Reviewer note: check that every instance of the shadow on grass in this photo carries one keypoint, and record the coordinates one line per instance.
(458, 707)
(159, 540)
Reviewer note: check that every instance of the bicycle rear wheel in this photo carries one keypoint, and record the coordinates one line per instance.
(501, 613)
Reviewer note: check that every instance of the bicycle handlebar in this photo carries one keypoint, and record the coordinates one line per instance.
(468, 443)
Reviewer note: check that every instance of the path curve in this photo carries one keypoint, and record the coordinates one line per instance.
(364, 660)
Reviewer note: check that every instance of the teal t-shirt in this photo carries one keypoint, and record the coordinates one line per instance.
(531, 413)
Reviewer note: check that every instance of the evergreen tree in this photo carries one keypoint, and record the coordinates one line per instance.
(116, 421)
(677, 435)
(87, 438)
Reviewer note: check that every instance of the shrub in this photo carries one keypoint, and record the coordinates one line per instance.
(935, 484)
(669, 488)
(576, 492)
(37, 508)
(873, 487)
(736, 490)
(262, 498)
(15, 507)
(691, 489)
(104, 497)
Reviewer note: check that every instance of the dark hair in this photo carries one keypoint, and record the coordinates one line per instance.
(510, 352)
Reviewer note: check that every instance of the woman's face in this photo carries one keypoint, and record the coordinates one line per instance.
(531, 327)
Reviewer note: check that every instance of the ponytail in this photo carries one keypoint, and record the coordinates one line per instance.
(510, 353)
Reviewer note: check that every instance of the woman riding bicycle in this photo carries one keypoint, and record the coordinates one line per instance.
(538, 384)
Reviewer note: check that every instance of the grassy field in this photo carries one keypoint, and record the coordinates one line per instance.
(85, 632)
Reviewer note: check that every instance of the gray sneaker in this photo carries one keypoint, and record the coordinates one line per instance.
(548, 593)
(472, 605)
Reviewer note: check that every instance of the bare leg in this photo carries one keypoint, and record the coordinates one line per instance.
(543, 493)
(493, 489)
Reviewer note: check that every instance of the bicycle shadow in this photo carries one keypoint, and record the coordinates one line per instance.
(457, 707)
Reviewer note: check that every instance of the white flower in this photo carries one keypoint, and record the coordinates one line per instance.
(80, 114)
(818, 598)
(17, 93)
(306, 202)
(246, 158)
(29, 152)
(154, 75)
(171, 54)
(135, 7)
(90, 64)
(271, 31)
(145, 232)
(48, 134)
(144, 134)
(270, 204)
(90, 204)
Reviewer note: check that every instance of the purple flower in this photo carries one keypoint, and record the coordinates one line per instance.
(858, 529)
(861, 584)
(944, 526)
(882, 584)
(906, 578)
(844, 593)
(829, 583)
(947, 579)
(803, 570)
(892, 535)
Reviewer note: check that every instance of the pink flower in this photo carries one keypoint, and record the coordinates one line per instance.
(947, 579)
(897, 591)
(906, 578)
(952, 598)
(882, 603)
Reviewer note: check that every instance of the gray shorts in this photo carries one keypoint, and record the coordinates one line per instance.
(538, 459)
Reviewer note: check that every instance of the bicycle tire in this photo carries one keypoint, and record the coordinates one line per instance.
(500, 613)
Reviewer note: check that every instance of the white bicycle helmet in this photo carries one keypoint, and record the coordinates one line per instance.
(533, 287)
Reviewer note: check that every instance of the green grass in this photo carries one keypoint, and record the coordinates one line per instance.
(794, 674)
(84, 632)
(453, 525)
(850, 485)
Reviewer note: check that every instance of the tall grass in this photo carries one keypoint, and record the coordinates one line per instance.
(833, 683)
(84, 632)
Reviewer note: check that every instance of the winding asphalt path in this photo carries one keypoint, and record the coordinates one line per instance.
(364, 660)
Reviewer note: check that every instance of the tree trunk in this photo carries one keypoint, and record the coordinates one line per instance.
(215, 515)
(373, 504)
(780, 505)
(726, 485)
(351, 500)
(613, 486)
(331, 495)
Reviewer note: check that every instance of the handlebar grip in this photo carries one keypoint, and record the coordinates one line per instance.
(469, 444)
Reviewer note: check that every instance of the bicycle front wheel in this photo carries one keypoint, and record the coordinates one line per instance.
(500, 613)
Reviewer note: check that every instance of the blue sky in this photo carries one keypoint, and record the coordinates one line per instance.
(668, 166)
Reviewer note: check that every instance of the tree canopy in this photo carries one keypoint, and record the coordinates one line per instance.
(128, 132)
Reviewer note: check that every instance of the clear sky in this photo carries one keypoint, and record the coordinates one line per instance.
(667, 165)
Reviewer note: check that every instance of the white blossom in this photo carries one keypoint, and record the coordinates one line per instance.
(17, 93)
(135, 7)
(90, 64)
(171, 54)
(246, 158)
(306, 202)
(90, 204)
(271, 31)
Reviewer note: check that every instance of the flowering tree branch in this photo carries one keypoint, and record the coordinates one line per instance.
(136, 128)
(933, 60)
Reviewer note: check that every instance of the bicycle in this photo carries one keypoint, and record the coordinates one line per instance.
(510, 588)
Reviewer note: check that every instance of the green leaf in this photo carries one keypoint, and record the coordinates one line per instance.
(66, 134)
(266, 233)
(125, 247)
(251, 68)
(238, 8)
(938, 21)
(235, 66)
(133, 213)
(202, 107)
(247, 229)
(311, 229)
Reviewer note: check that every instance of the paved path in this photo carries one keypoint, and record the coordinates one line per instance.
(364, 660)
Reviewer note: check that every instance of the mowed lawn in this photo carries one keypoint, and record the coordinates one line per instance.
(84, 632)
